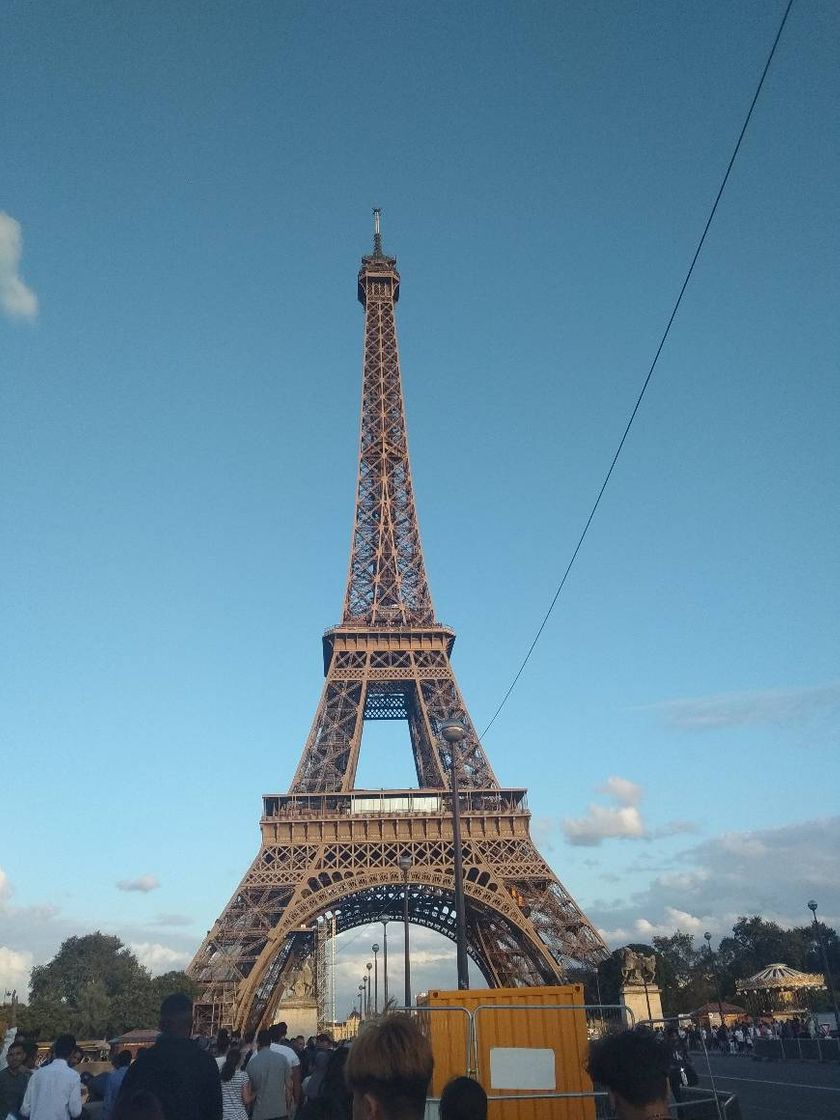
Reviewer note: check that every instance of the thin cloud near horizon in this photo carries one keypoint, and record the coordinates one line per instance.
(774, 706)
(143, 883)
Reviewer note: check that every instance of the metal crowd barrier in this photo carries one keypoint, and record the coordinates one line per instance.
(804, 1049)
(696, 1101)
(703, 1104)
(469, 1055)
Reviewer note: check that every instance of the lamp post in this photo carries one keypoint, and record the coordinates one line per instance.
(368, 966)
(598, 987)
(454, 732)
(385, 962)
(647, 996)
(375, 949)
(361, 1002)
(708, 938)
(812, 906)
(405, 867)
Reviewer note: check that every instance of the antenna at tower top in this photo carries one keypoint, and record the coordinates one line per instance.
(377, 233)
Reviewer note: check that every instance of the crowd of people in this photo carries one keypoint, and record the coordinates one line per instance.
(384, 1074)
(740, 1035)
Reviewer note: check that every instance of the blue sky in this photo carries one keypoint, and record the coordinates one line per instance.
(187, 192)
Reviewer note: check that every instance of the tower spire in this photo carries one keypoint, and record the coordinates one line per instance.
(387, 581)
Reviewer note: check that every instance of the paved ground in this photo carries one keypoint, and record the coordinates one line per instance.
(776, 1090)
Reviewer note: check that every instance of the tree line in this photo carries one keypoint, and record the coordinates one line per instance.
(686, 969)
(94, 987)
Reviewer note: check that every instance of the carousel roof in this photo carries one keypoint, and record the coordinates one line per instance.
(780, 976)
(715, 1007)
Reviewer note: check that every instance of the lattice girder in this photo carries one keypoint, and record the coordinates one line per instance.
(327, 846)
(395, 677)
(522, 926)
(387, 577)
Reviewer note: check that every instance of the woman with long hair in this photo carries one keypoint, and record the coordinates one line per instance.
(236, 1089)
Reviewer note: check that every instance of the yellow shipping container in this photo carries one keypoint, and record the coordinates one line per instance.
(518, 1043)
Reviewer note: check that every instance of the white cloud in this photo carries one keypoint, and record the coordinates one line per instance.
(683, 880)
(772, 872)
(159, 958)
(602, 822)
(16, 299)
(622, 790)
(15, 966)
(642, 929)
(432, 963)
(33, 934)
(142, 883)
(775, 706)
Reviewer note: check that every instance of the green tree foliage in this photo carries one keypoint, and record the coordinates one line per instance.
(80, 960)
(170, 982)
(96, 988)
(754, 944)
(685, 971)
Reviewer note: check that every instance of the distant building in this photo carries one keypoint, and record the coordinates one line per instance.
(346, 1029)
(135, 1041)
(709, 1014)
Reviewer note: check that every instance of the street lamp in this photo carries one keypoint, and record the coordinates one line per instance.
(368, 966)
(361, 1002)
(405, 867)
(708, 938)
(812, 906)
(375, 949)
(454, 732)
(384, 962)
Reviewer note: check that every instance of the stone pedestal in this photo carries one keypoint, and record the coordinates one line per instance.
(301, 1016)
(634, 998)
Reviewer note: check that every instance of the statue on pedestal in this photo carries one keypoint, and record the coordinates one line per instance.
(639, 992)
(637, 968)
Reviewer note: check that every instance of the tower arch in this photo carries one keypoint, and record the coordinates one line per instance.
(327, 845)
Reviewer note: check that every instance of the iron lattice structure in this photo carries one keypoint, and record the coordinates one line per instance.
(327, 847)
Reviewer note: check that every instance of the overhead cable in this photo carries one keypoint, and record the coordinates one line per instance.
(647, 379)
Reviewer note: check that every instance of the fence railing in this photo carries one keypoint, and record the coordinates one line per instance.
(467, 1048)
(802, 1049)
(704, 1104)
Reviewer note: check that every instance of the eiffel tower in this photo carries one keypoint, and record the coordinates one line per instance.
(329, 848)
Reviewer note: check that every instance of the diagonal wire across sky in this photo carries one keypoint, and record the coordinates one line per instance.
(649, 375)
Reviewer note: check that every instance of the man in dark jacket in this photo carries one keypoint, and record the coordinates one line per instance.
(183, 1077)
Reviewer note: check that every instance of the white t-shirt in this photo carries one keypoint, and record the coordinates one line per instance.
(287, 1052)
(53, 1093)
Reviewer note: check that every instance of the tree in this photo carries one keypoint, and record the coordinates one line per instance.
(96, 987)
(46, 1019)
(685, 980)
(96, 956)
(93, 1011)
(169, 982)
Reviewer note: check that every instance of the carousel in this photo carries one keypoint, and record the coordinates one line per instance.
(780, 991)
